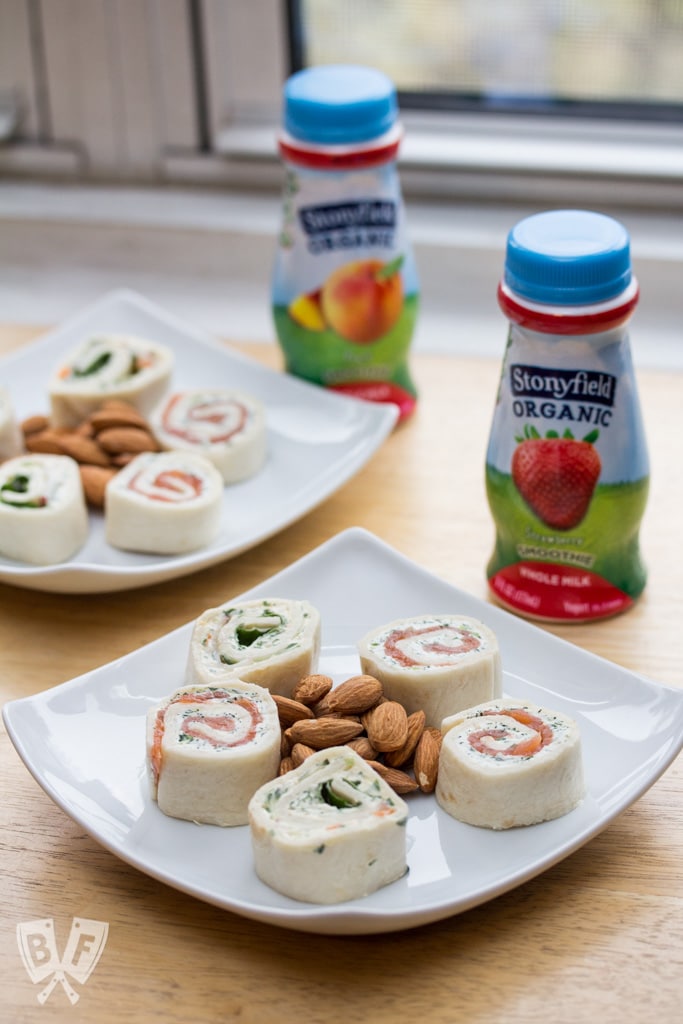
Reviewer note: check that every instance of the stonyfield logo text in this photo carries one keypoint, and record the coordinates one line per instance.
(582, 396)
(350, 225)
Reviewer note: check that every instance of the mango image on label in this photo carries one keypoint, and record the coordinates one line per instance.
(305, 310)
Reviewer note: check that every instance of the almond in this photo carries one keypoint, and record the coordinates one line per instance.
(116, 415)
(399, 781)
(45, 442)
(83, 449)
(34, 424)
(95, 480)
(416, 724)
(324, 732)
(290, 711)
(286, 765)
(311, 689)
(116, 440)
(299, 753)
(364, 747)
(387, 726)
(426, 766)
(358, 694)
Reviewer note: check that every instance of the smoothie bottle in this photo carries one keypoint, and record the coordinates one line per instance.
(344, 285)
(567, 468)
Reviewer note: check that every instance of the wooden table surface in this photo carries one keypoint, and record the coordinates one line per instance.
(597, 937)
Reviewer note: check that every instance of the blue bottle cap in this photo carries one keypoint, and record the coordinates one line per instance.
(568, 257)
(339, 104)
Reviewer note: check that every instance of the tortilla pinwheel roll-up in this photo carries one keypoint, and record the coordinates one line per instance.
(131, 369)
(440, 663)
(43, 515)
(164, 503)
(328, 831)
(227, 427)
(269, 641)
(209, 749)
(507, 763)
(11, 439)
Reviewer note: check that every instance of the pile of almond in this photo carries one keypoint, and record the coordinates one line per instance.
(357, 714)
(101, 444)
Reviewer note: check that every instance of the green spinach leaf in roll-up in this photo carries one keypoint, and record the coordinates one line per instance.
(270, 641)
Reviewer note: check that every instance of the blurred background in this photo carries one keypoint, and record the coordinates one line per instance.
(138, 146)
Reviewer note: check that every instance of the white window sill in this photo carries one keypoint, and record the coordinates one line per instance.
(206, 256)
(506, 158)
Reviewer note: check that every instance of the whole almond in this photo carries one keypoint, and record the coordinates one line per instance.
(95, 480)
(387, 726)
(399, 781)
(44, 442)
(299, 753)
(311, 689)
(426, 766)
(286, 765)
(34, 424)
(416, 724)
(83, 449)
(127, 439)
(355, 695)
(116, 416)
(364, 747)
(290, 711)
(324, 732)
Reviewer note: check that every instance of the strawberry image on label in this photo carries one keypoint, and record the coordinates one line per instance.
(556, 476)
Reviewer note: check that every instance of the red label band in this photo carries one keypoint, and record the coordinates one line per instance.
(380, 391)
(348, 160)
(563, 322)
(546, 590)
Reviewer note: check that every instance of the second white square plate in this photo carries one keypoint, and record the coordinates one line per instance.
(317, 440)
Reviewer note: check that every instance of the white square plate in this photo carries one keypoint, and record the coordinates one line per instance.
(317, 440)
(84, 742)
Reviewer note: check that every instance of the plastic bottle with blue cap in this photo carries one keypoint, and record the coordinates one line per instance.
(567, 468)
(345, 289)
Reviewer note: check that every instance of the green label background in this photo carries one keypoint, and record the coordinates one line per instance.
(609, 531)
(324, 357)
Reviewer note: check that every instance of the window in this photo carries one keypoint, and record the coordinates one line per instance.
(162, 117)
(592, 57)
(538, 99)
